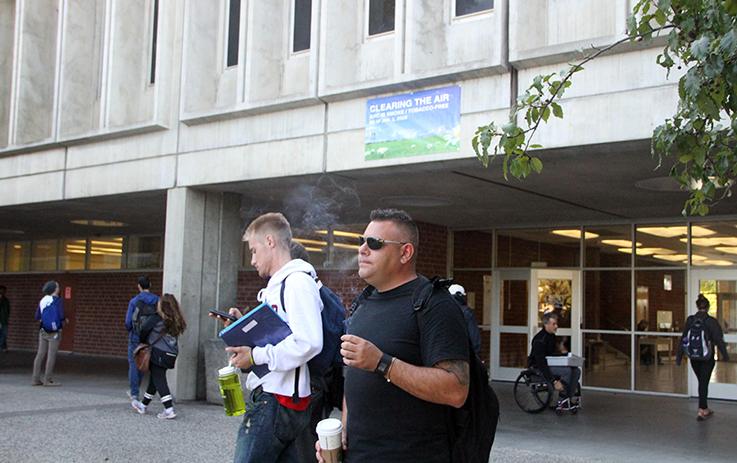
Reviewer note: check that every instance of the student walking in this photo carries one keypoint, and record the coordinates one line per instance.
(50, 314)
(161, 331)
(701, 334)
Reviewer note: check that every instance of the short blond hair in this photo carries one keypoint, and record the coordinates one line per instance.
(273, 223)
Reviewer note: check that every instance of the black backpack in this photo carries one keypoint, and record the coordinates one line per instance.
(141, 314)
(326, 368)
(474, 424)
(695, 343)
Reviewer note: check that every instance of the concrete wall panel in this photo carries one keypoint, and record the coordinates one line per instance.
(437, 42)
(208, 84)
(291, 123)
(262, 160)
(348, 59)
(610, 118)
(36, 90)
(32, 163)
(7, 45)
(144, 175)
(81, 67)
(543, 28)
(131, 98)
(32, 189)
(122, 149)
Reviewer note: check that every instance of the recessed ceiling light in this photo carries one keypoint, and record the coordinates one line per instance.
(718, 262)
(98, 223)
(620, 243)
(714, 241)
(667, 184)
(7, 231)
(573, 233)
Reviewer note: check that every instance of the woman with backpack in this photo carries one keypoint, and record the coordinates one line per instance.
(161, 331)
(701, 334)
(50, 314)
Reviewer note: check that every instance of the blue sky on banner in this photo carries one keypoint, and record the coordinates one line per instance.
(413, 115)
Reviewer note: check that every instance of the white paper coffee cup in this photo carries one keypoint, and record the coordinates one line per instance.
(329, 433)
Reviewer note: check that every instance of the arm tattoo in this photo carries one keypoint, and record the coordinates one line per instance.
(459, 368)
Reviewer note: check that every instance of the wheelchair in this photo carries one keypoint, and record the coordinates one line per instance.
(533, 394)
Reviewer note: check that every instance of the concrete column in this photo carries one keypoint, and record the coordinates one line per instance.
(201, 254)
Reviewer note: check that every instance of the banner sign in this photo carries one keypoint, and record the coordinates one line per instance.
(413, 124)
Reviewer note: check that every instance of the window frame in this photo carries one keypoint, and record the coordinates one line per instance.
(367, 21)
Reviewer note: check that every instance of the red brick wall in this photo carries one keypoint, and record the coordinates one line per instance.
(433, 252)
(96, 309)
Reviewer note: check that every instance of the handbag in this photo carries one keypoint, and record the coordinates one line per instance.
(142, 355)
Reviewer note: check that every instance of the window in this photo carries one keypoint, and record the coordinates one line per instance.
(43, 255)
(464, 7)
(17, 256)
(302, 25)
(380, 16)
(234, 25)
(106, 253)
(154, 37)
(144, 252)
(72, 254)
(2, 256)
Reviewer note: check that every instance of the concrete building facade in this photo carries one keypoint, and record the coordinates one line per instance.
(140, 135)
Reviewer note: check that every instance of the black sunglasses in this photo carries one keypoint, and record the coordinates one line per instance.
(376, 243)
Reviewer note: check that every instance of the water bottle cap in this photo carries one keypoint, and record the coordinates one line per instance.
(225, 371)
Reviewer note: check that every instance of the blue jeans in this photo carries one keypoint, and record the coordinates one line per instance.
(270, 433)
(134, 376)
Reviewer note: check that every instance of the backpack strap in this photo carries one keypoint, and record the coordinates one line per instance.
(295, 396)
(360, 299)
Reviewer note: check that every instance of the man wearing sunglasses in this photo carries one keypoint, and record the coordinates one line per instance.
(404, 371)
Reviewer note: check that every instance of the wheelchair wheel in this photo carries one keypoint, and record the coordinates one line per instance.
(532, 392)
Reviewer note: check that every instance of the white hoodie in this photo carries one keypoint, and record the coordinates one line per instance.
(303, 307)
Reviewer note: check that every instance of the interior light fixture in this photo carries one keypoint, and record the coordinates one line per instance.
(676, 230)
(620, 243)
(353, 247)
(311, 249)
(341, 233)
(647, 251)
(98, 223)
(313, 242)
(714, 241)
(574, 233)
(672, 257)
(719, 262)
(727, 249)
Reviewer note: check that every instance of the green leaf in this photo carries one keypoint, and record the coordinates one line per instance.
(557, 110)
(536, 164)
(700, 48)
(546, 113)
(660, 17)
(728, 43)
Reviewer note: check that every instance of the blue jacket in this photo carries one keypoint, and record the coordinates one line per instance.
(146, 298)
(50, 312)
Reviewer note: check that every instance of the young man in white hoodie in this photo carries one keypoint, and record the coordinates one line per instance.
(277, 409)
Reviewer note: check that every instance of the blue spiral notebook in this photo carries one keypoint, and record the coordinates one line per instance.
(257, 328)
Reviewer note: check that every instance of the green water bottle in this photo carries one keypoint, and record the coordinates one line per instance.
(230, 390)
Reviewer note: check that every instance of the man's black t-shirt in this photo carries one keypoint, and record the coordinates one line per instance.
(385, 423)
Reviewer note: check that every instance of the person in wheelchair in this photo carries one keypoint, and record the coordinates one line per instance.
(563, 379)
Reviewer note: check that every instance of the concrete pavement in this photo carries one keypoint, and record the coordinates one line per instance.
(88, 419)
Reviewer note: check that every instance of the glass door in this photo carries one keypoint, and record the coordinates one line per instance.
(509, 323)
(720, 288)
(558, 291)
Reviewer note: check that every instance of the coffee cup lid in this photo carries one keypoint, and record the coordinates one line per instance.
(329, 426)
(230, 369)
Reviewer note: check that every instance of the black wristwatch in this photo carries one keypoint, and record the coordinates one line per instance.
(383, 367)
